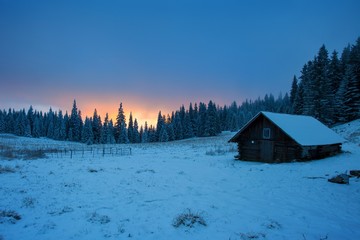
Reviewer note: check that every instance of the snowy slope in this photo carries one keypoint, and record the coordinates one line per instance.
(350, 131)
(138, 196)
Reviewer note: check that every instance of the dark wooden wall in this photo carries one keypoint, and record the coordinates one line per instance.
(279, 148)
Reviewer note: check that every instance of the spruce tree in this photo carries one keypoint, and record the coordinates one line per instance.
(96, 127)
(145, 134)
(202, 119)
(178, 128)
(67, 125)
(131, 129)
(36, 127)
(353, 74)
(120, 127)
(309, 89)
(50, 125)
(160, 124)
(293, 91)
(61, 127)
(187, 126)
(104, 129)
(10, 122)
(110, 133)
(30, 117)
(195, 120)
(20, 123)
(335, 77)
(212, 127)
(87, 135)
(75, 123)
(170, 130)
(2, 121)
(136, 134)
(341, 108)
(163, 137)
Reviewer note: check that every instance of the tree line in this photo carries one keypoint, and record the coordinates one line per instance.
(198, 120)
(328, 89)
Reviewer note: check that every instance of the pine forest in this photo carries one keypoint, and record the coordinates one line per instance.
(328, 89)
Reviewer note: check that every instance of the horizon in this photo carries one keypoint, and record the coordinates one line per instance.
(156, 56)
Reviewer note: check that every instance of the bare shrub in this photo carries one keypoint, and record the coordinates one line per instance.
(220, 150)
(28, 202)
(27, 154)
(252, 235)
(9, 216)
(145, 170)
(272, 224)
(92, 170)
(6, 169)
(33, 154)
(8, 154)
(188, 219)
(98, 218)
(64, 210)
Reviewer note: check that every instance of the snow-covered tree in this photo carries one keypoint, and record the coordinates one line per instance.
(136, 134)
(87, 135)
(121, 135)
(160, 124)
(131, 129)
(75, 123)
(293, 91)
(96, 127)
(212, 126)
(163, 137)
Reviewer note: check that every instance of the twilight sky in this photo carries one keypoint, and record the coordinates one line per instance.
(158, 55)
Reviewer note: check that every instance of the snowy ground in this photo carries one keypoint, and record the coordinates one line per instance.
(139, 196)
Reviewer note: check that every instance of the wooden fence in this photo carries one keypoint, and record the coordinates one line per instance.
(64, 151)
(91, 152)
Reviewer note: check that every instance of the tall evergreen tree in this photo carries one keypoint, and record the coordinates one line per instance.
(50, 125)
(178, 128)
(163, 136)
(36, 127)
(110, 133)
(2, 121)
(131, 129)
(96, 127)
(212, 127)
(61, 127)
(30, 117)
(352, 95)
(10, 122)
(87, 135)
(195, 120)
(145, 134)
(120, 127)
(293, 91)
(75, 124)
(136, 134)
(202, 119)
(187, 126)
(160, 124)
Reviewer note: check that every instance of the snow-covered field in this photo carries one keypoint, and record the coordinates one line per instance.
(142, 195)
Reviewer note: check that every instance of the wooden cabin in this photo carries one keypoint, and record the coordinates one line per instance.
(273, 138)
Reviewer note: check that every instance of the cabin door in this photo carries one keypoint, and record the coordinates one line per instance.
(267, 151)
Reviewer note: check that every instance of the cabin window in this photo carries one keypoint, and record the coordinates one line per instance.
(266, 133)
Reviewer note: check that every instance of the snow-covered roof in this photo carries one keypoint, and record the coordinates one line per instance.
(305, 130)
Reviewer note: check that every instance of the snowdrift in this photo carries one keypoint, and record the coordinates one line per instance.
(191, 189)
